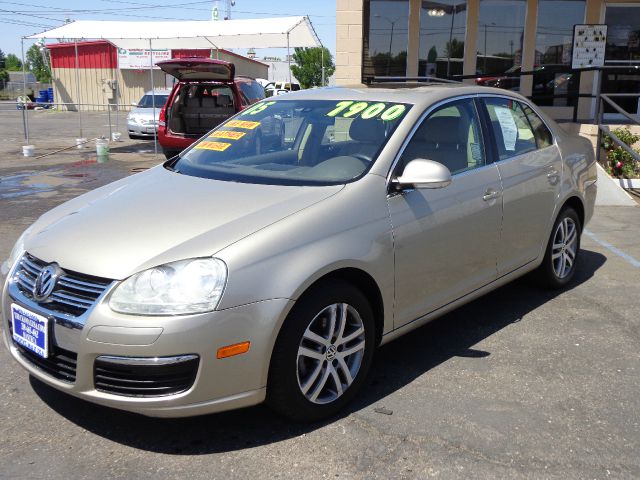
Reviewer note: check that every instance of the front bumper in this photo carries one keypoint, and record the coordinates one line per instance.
(220, 384)
(141, 130)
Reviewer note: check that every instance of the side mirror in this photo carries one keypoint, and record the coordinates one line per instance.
(422, 173)
(134, 104)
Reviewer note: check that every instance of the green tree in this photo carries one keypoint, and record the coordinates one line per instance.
(4, 76)
(454, 49)
(13, 63)
(308, 70)
(37, 64)
(432, 56)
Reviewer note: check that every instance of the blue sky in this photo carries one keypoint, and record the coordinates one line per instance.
(19, 18)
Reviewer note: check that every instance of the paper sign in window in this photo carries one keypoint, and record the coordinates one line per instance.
(508, 127)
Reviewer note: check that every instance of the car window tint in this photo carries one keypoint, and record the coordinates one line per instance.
(542, 133)
(451, 136)
(510, 126)
(251, 90)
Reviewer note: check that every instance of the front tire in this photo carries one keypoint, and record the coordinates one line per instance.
(322, 354)
(563, 250)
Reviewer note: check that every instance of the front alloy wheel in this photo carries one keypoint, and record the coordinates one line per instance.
(323, 352)
(330, 353)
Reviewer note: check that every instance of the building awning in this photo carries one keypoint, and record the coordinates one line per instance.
(279, 32)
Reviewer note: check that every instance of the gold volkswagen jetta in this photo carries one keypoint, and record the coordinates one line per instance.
(271, 258)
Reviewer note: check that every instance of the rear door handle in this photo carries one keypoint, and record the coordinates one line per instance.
(552, 172)
(490, 194)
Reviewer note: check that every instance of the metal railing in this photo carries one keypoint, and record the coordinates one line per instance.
(574, 95)
(606, 97)
(111, 109)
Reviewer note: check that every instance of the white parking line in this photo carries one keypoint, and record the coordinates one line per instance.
(628, 258)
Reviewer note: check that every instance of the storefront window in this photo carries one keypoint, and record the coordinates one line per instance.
(623, 35)
(623, 50)
(386, 26)
(556, 19)
(500, 37)
(442, 34)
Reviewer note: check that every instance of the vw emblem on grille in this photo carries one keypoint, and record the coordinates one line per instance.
(46, 282)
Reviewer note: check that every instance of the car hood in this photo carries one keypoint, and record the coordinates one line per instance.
(159, 216)
(146, 113)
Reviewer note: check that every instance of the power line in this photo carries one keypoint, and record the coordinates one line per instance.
(28, 15)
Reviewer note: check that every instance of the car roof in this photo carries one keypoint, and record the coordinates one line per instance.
(406, 93)
(159, 91)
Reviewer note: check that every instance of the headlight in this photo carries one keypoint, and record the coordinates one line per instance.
(178, 288)
(16, 253)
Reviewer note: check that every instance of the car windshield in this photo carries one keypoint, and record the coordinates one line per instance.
(147, 101)
(294, 142)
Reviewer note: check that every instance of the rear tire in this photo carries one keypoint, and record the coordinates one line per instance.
(563, 251)
(322, 354)
(168, 154)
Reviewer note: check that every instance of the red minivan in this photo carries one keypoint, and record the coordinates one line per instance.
(206, 94)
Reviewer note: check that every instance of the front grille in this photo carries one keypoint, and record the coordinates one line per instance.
(145, 377)
(73, 294)
(60, 365)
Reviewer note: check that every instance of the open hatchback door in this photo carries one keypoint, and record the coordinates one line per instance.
(199, 69)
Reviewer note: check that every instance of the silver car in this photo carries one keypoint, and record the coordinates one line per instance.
(141, 122)
(269, 263)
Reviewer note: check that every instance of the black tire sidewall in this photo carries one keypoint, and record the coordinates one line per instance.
(283, 391)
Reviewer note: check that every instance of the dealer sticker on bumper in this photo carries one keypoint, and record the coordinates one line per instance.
(30, 330)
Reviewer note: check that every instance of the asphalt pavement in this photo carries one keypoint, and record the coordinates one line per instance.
(521, 383)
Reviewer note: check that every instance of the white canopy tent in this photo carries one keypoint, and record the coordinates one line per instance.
(282, 32)
(252, 33)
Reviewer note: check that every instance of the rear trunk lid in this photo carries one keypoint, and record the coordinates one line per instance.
(203, 69)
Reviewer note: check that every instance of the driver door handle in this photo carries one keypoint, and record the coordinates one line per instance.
(491, 194)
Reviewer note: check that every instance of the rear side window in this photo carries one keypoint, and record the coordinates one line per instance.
(542, 133)
(512, 131)
(253, 91)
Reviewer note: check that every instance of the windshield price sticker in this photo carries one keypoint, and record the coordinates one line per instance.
(242, 124)
(216, 146)
(257, 108)
(228, 134)
(350, 108)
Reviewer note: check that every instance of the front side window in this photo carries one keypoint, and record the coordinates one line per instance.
(295, 142)
(451, 135)
(510, 126)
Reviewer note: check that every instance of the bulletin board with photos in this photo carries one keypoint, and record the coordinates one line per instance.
(589, 43)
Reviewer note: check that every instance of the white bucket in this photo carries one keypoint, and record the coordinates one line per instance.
(80, 142)
(102, 149)
(115, 136)
(27, 150)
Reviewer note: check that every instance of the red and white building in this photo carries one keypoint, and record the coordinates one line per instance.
(107, 76)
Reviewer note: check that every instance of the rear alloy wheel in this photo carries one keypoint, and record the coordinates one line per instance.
(322, 354)
(561, 257)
